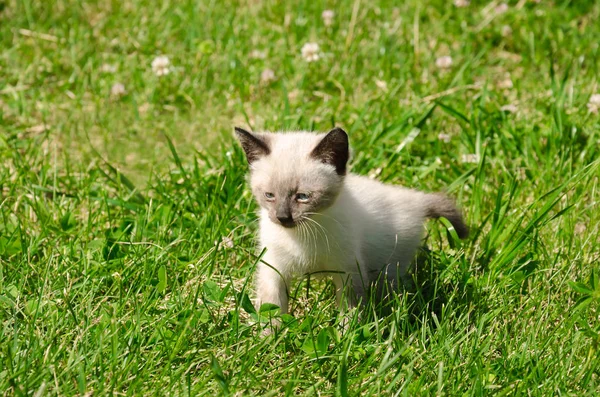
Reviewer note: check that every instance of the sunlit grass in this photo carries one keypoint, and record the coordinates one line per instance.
(127, 232)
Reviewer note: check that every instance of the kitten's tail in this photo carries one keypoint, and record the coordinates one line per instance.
(439, 205)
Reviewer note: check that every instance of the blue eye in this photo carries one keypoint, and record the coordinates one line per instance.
(269, 196)
(302, 197)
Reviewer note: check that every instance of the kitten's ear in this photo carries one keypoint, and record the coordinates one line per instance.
(254, 146)
(333, 149)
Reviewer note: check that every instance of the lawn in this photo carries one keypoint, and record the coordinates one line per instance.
(127, 230)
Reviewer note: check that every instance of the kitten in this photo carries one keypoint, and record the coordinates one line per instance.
(317, 218)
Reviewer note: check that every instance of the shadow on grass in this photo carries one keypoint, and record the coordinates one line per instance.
(440, 290)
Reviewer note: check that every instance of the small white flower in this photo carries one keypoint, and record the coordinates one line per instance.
(444, 137)
(293, 95)
(117, 90)
(227, 242)
(506, 31)
(108, 68)
(462, 3)
(161, 65)
(594, 103)
(328, 16)
(510, 108)
(501, 8)
(382, 85)
(595, 99)
(267, 76)
(470, 158)
(228, 154)
(505, 84)
(143, 108)
(310, 52)
(444, 62)
(116, 276)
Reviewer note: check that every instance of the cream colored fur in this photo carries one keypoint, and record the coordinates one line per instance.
(370, 230)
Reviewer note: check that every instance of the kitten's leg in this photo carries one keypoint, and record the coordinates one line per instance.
(344, 294)
(350, 294)
(352, 284)
(405, 277)
(271, 286)
(386, 287)
(344, 297)
(393, 279)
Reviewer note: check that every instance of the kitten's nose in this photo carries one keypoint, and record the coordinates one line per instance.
(285, 220)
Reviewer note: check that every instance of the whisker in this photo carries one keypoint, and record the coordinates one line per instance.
(314, 242)
(322, 231)
(305, 232)
(336, 241)
(326, 216)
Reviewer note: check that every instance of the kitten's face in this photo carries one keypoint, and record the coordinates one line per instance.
(295, 175)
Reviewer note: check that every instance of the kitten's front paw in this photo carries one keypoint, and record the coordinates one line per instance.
(267, 332)
(349, 318)
(271, 328)
(269, 313)
(345, 324)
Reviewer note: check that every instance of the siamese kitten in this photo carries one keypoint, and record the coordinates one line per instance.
(317, 218)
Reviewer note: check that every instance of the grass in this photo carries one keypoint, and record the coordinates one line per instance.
(127, 231)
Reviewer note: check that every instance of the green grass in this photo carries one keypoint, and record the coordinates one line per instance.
(127, 231)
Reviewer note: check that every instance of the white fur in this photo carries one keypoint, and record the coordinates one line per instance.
(370, 228)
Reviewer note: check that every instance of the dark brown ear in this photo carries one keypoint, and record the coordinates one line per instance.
(333, 149)
(254, 146)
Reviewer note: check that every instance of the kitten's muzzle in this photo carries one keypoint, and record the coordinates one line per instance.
(286, 221)
(283, 213)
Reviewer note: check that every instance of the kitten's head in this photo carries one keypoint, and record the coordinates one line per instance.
(295, 175)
